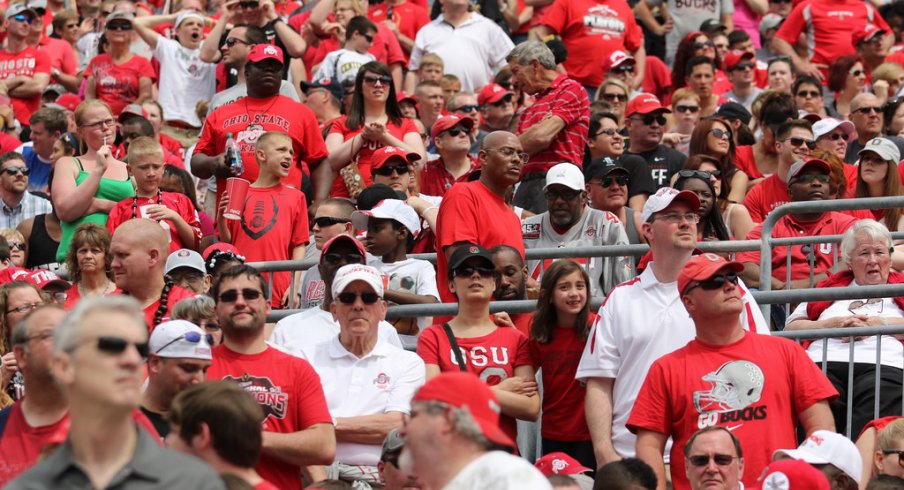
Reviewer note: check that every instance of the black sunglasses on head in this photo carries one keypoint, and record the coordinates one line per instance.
(193, 337)
(700, 174)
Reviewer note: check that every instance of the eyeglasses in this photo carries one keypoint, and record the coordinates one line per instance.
(23, 18)
(193, 337)
(742, 66)
(349, 258)
(629, 68)
(705, 44)
(24, 308)
(17, 246)
(703, 459)
(649, 119)
(231, 41)
(693, 109)
(99, 124)
(618, 179)
(232, 295)
(368, 37)
(373, 79)
(327, 221)
(676, 218)
(468, 271)
(387, 170)
(809, 94)
(805, 178)
(366, 298)
(509, 152)
(900, 454)
(615, 97)
(796, 142)
(607, 132)
(857, 73)
(700, 174)
(119, 26)
(552, 195)
(867, 110)
(17, 170)
(721, 133)
(117, 345)
(456, 131)
(39, 336)
(855, 305)
(468, 108)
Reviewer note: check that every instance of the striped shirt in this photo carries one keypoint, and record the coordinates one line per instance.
(30, 205)
(568, 100)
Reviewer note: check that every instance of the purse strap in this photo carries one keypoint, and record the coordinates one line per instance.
(455, 348)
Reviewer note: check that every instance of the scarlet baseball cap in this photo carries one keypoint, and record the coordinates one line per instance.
(827, 447)
(447, 122)
(466, 390)
(400, 96)
(492, 93)
(735, 57)
(616, 59)
(791, 474)
(66, 102)
(664, 198)
(559, 464)
(261, 52)
(381, 156)
(702, 267)
(389, 209)
(800, 165)
(866, 33)
(342, 237)
(644, 104)
(350, 273)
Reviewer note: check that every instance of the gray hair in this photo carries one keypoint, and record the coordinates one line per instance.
(452, 105)
(528, 51)
(868, 228)
(20, 331)
(194, 309)
(66, 335)
(462, 422)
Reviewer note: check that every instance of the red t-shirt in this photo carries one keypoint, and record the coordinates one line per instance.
(756, 388)
(8, 143)
(265, 485)
(250, 117)
(13, 273)
(762, 198)
(407, 16)
(591, 30)
(117, 85)
(21, 443)
(171, 144)
(176, 294)
(62, 55)
(470, 212)
(27, 62)
(274, 222)
(657, 78)
(830, 223)
(493, 357)
(828, 25)
(289, 391)
(436, 180)
(744, 161)
(180, 203)
(568, 100)
(365, 154)
(563, 396)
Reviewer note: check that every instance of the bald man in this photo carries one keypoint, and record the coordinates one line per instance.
(140, 249)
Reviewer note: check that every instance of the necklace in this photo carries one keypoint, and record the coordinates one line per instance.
(249, 111)
(135, 204)
(103, 292)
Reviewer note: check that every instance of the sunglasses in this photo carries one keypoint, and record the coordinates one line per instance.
(607, 132)
(618, 179)
(387, 170)
(743, 66)
(705, 44)
(700, 174)
(231, 41)
(193, 337)
(900, 454)
(456, 131)
(368, 37)
(119, 26)
(721, 133)
(836, 136)
(552, 195)
(249, 5)
(857, 73)
(17, 170)
(808, 94)
(623, 69)
(860, 303)
(867, 110)
(468, 108)
(713, 283)
(23, 18)
(17, 246)
(649, 119)
(468, 271)
(703, 459)
(335, 258)
(615, 97)
(366, 298)
(693, 109)
(117, 345)
(822, 178)
(326, 221)
(795, 141)
(373, 79)
(232, 295)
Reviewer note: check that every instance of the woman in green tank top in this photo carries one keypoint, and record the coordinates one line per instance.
(85, 189)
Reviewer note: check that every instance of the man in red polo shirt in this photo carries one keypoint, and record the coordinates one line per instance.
(792, 143)
(24, 69)
(452, 136)
(554, 128)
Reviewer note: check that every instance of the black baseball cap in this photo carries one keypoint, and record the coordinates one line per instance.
(733, 111)
(602, 167)
(330, 84)
(467, 251)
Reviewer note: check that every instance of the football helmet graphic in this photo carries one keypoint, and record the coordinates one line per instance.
(735, 385)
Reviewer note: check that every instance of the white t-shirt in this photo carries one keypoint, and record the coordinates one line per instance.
(184, 80)
(498, 470)
(314, 326)
(864, 350)
(382, 381)
(412, 276)
(640, 321)
(342, 65)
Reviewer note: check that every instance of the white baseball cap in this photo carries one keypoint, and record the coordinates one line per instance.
(827, 447)
(827, 125)
(567, 174)
(663, 199)
(884, 147)
(180, 339)
(389, 209)
(350, 273)
(185, 258)
(187, 14)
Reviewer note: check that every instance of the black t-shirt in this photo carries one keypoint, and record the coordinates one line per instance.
(158, 421)
(664, 162)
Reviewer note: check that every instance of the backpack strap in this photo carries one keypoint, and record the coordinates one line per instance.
(455, 349)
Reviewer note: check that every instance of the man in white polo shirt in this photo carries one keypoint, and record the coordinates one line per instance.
(368, 383)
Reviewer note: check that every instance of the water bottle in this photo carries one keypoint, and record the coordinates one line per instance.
(233, 157)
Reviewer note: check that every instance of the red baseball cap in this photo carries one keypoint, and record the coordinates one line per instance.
(43, 278)
(400, 96)
(261, 52)
(221, 247)
(702, 267)
(798, 167)
(867, 33)
(616, 59)
(447, 122)
(645, 103)
(559, 464)
(492, 93)
(466, 390)
(342, 237)
(733, 58)
(791, 474)
(66, 102)
(381, 156)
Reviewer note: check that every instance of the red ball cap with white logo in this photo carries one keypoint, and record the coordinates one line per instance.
(645, 103)
(261, 52)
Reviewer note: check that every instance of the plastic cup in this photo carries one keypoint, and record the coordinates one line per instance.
(237, 189)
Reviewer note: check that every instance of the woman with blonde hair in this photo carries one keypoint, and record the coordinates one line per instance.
(18, 250)
(614, 92)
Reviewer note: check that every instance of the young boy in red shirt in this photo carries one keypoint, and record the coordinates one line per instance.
(175, 212)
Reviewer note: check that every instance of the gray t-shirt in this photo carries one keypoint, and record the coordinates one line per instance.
(687, 16)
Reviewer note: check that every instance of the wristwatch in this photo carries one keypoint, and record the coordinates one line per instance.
(55, 72)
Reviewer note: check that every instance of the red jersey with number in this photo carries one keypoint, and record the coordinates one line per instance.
(27, 62)
(117, 84)
(289, 391)
(436, 180)
(274, 221)
(137, 207)
(365, 154)
(591, 30)
(756, 387)
(250, 117)
(22, 444)
(408, 17)
(493, 357)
